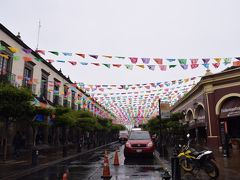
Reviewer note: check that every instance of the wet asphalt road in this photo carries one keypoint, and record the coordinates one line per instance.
(90, 166)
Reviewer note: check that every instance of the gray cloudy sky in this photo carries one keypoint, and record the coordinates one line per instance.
(130, 28)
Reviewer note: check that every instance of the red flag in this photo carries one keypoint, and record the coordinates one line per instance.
(216, 65)
(96, 64)
(117, 65)
(81, 55)
(73, 62)
(27, 59)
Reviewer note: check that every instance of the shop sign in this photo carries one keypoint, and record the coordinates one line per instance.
(231, 108)
(165, 110)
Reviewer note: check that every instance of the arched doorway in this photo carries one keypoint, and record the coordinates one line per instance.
(229, 117)
(201, 128)
(191, 124)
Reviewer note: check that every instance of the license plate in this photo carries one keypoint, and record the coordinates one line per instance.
(139, 150)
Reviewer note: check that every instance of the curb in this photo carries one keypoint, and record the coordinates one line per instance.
(21, 174)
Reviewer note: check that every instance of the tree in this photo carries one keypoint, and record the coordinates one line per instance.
(65, 117)
(14, 102)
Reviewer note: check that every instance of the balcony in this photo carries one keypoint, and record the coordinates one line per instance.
(57, 100)
(8, 78)
(66, 103)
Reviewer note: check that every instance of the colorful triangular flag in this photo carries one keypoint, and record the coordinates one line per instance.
(81, 55)
(129, 66)
(206, 60)
(184, 66)
(141, 66)
(73, 62)
(107, 65)
(117, 65)
(158, 60)
(145, 60)
(133, 59)
(93, 56)
(27, 51)
(218, 60)
(40, 51)
(54, 52)
(13, 49)
(151, 67)
(84, 63)
(216, 65)
(67, 54)
(182, 61)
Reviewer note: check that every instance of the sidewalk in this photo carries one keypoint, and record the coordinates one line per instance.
(228, 167)
(13, 169)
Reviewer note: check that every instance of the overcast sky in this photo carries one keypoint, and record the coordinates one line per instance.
(130, 28)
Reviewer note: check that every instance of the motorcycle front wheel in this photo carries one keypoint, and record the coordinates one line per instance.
(186, 165)
(211, 169)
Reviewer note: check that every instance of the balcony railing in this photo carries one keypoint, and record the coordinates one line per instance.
(9, 78)
(66, 103)
(57, 100)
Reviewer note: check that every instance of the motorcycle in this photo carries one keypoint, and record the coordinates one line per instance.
(191, 160)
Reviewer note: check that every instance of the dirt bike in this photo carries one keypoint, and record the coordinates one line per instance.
(193, 161)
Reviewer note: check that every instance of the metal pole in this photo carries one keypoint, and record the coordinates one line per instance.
(160, 133)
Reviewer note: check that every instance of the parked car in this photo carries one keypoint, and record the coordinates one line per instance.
(123, 136)
(139, 142)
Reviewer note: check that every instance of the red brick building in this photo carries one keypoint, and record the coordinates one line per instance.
(212, 107)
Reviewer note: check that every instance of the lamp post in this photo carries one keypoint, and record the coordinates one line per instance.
(195, 105)
(160, 148)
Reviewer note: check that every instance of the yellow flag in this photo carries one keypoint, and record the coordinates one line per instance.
(141, 66)
(4, 56)
(218, 60)
(13, 49)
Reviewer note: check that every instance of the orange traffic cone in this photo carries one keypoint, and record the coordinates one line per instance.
(116, 159)
(65, 176)
(106, 169)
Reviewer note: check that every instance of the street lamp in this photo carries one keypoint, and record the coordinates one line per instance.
(160, 148)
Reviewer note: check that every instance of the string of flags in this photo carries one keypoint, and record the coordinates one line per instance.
(144, 63)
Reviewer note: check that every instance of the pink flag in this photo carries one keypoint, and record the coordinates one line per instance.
(133, 59)
(40, 51)
(50, 60)
(163, 67)
(158, 60)
(194, 61)
(193, 66)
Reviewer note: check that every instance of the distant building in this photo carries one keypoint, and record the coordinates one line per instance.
(212, 107)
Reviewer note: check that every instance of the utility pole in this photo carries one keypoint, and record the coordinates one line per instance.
(38, 35)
